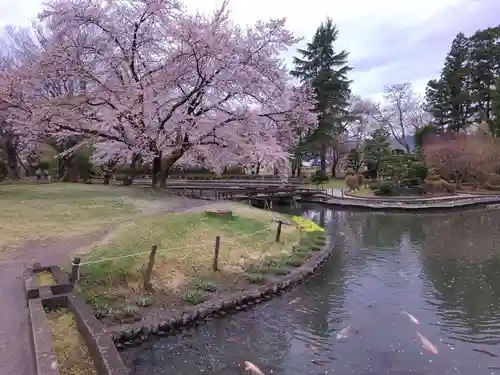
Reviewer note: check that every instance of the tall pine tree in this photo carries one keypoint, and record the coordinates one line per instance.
(326, 70)
(485, 67)
(465, 92)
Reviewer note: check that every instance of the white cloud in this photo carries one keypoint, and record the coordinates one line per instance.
(389, 41)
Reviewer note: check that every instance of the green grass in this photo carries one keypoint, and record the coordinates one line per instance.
(65, 210)
(32, 212)
(330, 184)
(183, 264)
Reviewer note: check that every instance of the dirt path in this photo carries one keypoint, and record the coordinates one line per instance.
(16, 356)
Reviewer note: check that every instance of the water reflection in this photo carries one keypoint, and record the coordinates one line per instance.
(442, 268)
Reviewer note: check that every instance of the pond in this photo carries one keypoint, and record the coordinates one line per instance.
(359, 314)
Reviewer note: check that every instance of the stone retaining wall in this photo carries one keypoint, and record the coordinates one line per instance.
(137, 333)
(420, 205)
(406, 199)
(99, 342)
(62, 284)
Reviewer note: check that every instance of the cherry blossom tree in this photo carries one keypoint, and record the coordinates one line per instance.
(17, 140)
(145, 81)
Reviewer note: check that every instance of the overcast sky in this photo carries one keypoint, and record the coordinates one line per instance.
(390, 41)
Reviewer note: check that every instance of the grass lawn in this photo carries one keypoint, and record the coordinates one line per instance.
(182, 271)
(363, 192)
(60, 210)
(330, 184)
(71, 352)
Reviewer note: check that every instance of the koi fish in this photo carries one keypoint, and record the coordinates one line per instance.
(427, 344)
(343, 333)
(411, 317)
(249, 366)
(294, 301)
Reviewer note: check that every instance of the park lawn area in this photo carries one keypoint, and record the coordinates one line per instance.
(64, 210)
(330, 184)
(182, 272)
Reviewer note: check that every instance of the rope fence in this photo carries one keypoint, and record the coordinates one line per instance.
(170, 249)
(77, 263)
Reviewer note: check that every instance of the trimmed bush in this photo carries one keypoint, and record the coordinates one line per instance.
(373, 185)
(361, 179)
(352, 182)
(417, 190)
(385, 188)
(318, 177)
(491, 187)
(350, 172)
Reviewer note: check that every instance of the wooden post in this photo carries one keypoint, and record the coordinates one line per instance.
(278, 231)
(215, 265)
(149, 271)
(75, 270)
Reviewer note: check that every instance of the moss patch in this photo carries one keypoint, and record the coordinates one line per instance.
(44, 278)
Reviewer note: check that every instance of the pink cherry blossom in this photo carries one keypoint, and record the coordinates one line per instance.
(148, 79)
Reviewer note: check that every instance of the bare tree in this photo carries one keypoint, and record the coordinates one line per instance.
(402, 113)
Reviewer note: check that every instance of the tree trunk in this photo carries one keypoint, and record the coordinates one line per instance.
(12, 170)
(23, 166)
(61, 167)
(167, 164)
(323, 159)
(257, 169)
(299, 169)
(155, 170)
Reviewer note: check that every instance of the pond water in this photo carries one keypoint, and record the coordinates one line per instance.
(443, 269)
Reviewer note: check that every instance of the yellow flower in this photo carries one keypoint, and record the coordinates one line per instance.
(307, 225)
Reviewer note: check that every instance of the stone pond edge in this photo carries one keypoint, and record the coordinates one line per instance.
(99, 341)
(421, 205)
(136, 334)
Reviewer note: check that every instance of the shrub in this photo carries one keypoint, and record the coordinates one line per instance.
(411, 182)
(385, 188)
(373, 185)
(361, 179)
(350, 172)
(438, 186)
(433, 177)
(194, 297)
(494, 179)
(419, 171)
(492, 187)
(449, 188)
(319, 177)
(417, 190)
(352, 182)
